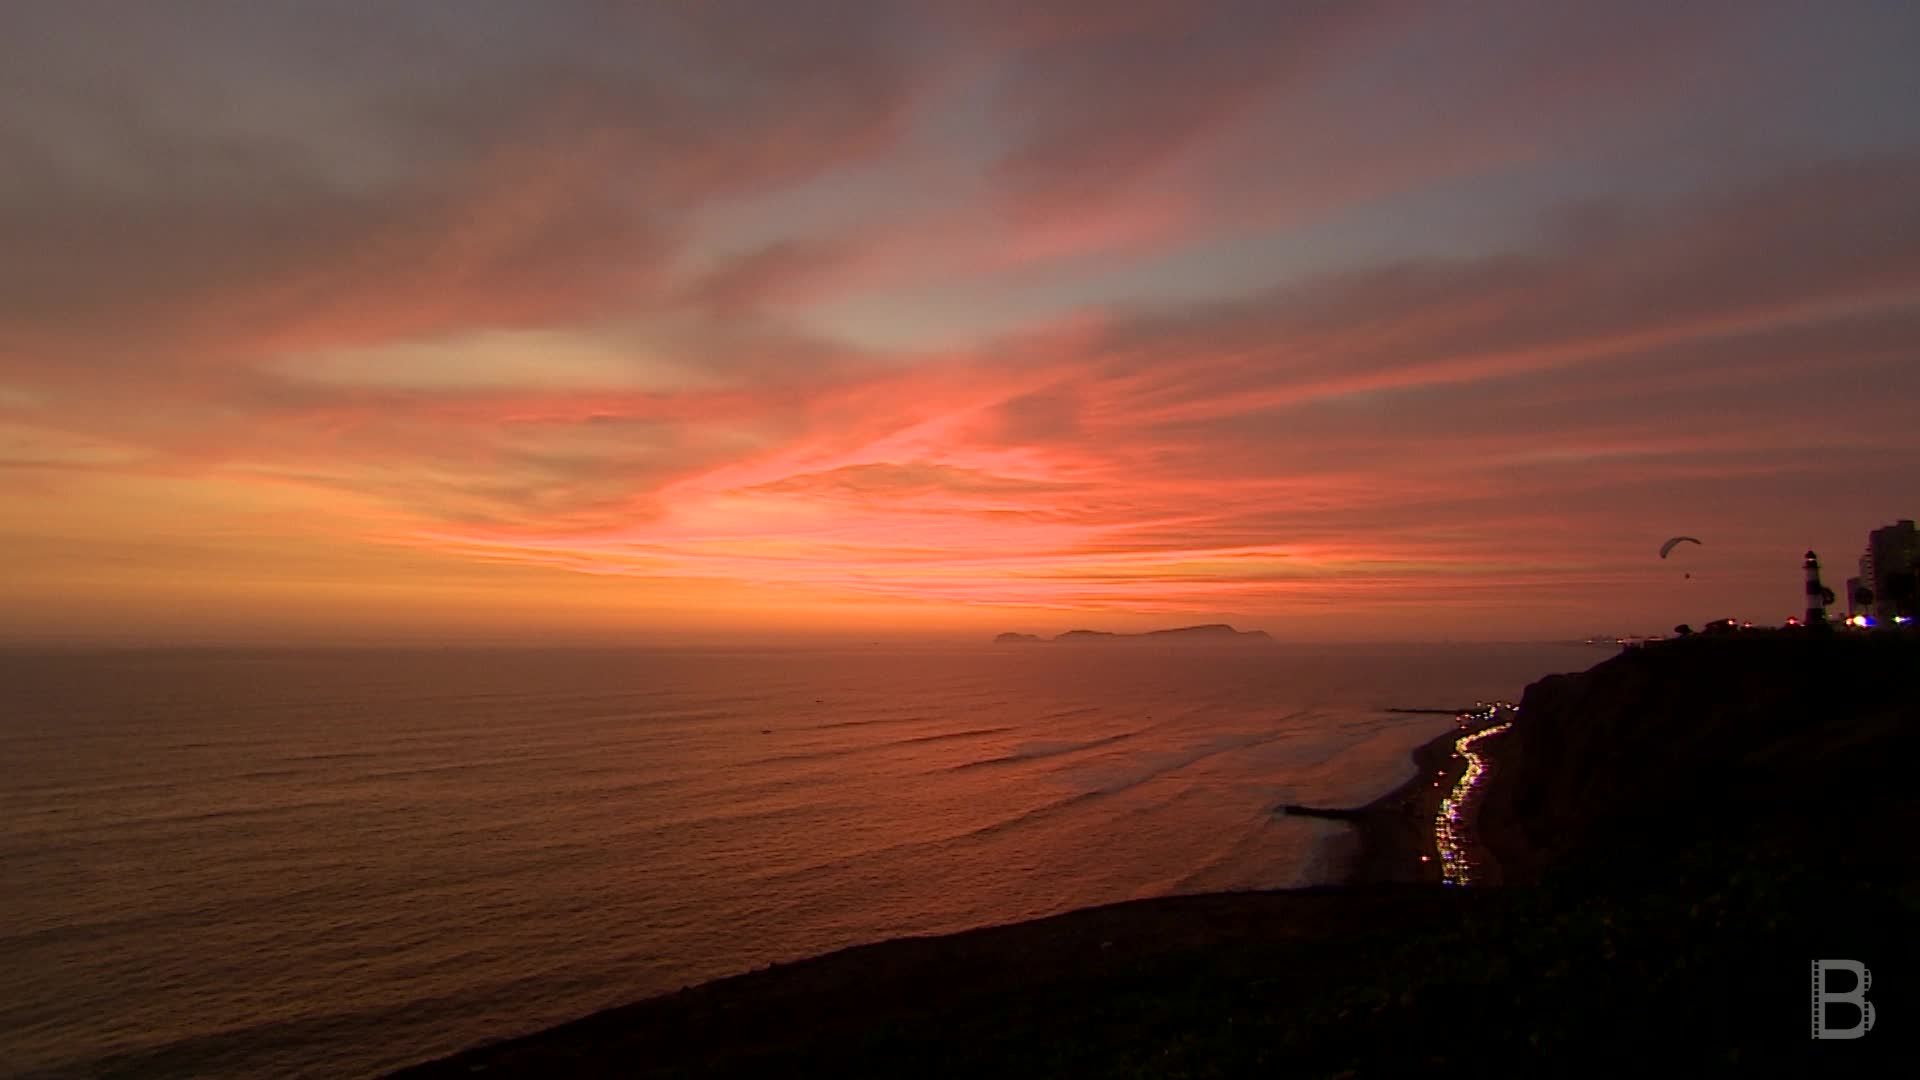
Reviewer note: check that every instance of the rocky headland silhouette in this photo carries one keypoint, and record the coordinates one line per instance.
(1209, 634)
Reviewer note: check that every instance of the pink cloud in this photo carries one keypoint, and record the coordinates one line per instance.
(1446, 432)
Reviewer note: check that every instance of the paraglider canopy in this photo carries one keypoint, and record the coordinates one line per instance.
(1669, 545)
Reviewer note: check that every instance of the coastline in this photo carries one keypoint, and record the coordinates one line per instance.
(1392, 832)
(1660, 896)
(1382, 884)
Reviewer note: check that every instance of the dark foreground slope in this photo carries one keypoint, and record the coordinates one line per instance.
(1694, 823)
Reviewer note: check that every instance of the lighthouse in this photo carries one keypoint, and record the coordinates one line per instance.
(1816, 592)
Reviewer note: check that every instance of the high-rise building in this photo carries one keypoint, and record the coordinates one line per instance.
(1892, 558)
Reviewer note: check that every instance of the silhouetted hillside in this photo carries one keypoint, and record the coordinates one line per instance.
(1803, 732)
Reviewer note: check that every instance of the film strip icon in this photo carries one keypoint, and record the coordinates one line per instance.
(1822, 997)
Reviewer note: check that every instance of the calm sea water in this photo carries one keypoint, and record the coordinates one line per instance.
(330, 863)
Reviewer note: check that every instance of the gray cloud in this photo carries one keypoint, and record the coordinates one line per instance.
(371, 172)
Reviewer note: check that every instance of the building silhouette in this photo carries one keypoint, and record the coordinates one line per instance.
(1888, 567)
(1816, 592)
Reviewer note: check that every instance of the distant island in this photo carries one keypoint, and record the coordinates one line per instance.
(1210, 634)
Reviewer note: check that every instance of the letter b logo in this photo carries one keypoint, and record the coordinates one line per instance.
(1863, 981)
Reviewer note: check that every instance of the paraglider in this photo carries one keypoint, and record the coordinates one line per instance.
(1667, 548)
(1669, 545)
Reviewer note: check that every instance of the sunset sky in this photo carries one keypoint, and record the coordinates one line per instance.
(554, 321)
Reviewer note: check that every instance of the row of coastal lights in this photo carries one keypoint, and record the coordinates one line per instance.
(1486, 711)
(1449, 835)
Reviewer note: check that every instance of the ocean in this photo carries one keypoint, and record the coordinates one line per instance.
(330, 863)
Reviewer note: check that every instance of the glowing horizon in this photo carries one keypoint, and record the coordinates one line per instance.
(1357, 321)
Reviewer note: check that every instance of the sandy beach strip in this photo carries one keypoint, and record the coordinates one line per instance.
(1394, 840)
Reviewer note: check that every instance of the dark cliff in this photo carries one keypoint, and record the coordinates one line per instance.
(1810, 739)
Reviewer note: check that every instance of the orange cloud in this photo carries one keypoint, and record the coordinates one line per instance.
(487, 348)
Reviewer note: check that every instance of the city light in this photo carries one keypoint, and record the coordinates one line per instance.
(1449, 831)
